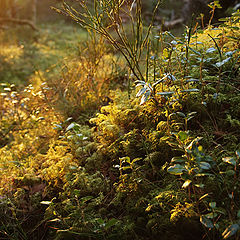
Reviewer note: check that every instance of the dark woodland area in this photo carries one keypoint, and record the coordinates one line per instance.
(119, 119)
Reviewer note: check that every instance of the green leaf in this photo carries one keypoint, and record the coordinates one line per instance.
(232, 37)
(212, 204)
(55, 220)
(164, 138)
(157, 82)
(178, 160)
(192, 113)
(77, 192)
(191, 90)
(140, 83)
(165, 93)
(126, 159)
(141, 92)
(211, 50)
(206, 222)
(70, 137)
(72, 167)
(230, 173)
(46, 202)
(204, 165)
(192, 80)
(145, 97)
(216, 225)
(211, 215)
(136, 160)
(171, 77)
(223, 19)
(196, 52)
(161, 125)
(182, 135)
(111, 223)
(234, 28)
(230, 231)
(176, 169)
(186, 183)
(125, 168)
(208, 159)
(204, 175)
(229, 160)
(172, 144)
(73, 126)
(219, 64)
(230, 53)
(194, 141)
(181, 114)
(238, 153)
(189, 118)
(149, 206)
(57, 127)
(100, 221)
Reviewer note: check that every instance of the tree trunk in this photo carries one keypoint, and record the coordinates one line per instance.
(18, 21)
(5, 8)
(9, 13)
(33, 11)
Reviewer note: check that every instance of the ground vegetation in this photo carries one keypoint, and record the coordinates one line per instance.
(117, 129)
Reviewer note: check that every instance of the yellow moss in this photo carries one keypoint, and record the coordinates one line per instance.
(27, 119)
(227, 36)
(182, 210)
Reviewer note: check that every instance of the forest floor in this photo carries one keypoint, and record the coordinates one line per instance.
(90, 151)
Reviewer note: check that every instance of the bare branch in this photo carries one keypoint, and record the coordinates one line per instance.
(19, 21)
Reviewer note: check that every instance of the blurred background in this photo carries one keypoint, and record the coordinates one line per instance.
(34, 37)
(169, 10)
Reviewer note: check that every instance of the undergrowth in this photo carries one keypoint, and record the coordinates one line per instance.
(88, 155)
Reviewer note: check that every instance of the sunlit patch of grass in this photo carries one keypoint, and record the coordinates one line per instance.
(60, 42)
(10, 52)
(23, 52)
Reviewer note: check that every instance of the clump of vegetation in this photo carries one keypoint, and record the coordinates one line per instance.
(86, 80)
(157, 155)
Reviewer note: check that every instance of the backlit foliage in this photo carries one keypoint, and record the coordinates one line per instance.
(92, 157)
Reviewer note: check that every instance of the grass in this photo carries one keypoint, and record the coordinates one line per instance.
(23, 53)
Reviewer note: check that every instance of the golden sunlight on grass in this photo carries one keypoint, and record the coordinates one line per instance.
(10, 52)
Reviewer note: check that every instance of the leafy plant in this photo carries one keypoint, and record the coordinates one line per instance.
(105, 16)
